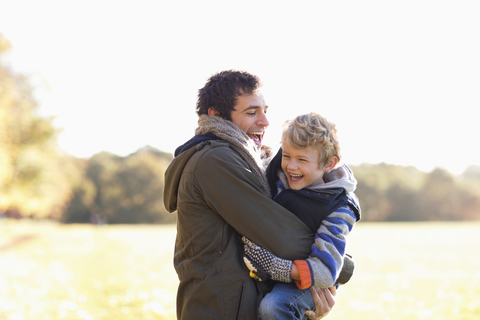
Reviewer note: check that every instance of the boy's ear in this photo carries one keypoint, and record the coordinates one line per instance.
(213, 112)
(331, 164)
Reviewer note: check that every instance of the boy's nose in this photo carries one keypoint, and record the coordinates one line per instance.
(292, 165)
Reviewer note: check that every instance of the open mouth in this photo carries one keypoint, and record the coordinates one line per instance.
(257, 137)
(295, 177)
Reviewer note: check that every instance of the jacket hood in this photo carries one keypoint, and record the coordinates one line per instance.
(341, 177)
(176, 166)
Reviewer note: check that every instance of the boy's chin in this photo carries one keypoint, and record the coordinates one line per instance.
(295, 186)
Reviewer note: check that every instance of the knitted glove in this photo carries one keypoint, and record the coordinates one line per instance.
(256, 272)
(265, 264)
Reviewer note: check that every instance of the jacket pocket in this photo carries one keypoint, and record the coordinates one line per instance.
(224, 237)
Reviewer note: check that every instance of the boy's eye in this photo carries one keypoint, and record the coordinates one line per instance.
(285, 156)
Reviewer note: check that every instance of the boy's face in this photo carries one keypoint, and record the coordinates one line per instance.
(250, 115)
(301, 167)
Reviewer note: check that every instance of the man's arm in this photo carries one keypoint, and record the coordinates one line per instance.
(323, 267)
(235, 193)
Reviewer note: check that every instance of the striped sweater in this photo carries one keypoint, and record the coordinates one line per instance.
(330, 210)
(323, 266)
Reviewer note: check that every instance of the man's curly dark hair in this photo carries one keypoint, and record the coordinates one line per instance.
(222, 90)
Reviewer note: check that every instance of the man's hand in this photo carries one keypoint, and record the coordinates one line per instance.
(324, 299)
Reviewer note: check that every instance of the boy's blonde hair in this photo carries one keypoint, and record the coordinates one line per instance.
(313, 130)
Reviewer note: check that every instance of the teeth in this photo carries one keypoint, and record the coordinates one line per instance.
(296, 175)
(259, 133)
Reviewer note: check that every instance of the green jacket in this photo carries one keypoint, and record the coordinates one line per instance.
(217, 199)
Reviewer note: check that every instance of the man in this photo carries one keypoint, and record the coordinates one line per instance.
(217, 186)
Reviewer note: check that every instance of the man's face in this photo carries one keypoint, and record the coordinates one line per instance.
(250, 115)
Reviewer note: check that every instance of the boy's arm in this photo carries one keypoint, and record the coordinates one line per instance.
(323, 267)
(345, 273)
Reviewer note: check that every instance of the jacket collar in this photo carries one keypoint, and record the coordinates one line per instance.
(194, 141)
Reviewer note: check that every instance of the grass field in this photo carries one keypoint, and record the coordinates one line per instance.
(404, 271)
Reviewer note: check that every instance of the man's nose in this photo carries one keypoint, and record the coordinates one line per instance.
(263, 121)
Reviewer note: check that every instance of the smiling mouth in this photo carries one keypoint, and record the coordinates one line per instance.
(257, 137)
(295, 177)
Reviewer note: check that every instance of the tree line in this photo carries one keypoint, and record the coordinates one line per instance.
(398, 193)
(40, 181)
(113, 189)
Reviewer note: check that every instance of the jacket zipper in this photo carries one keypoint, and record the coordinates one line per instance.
(321, 191)
(240, 302)
(222, 239)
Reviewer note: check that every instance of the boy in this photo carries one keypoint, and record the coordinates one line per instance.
(308, 181)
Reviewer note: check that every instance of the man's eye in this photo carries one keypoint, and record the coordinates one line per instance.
(251, 113)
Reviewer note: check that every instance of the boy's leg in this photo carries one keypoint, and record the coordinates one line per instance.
(286, 301)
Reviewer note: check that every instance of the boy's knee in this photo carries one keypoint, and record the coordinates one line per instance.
(268, 308)
(285, 302)
(274, 307)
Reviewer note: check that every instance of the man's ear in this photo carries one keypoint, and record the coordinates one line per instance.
(331, 164)
(213, 112)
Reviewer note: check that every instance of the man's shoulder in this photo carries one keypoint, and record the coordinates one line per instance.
(215, 149)
(214, 153)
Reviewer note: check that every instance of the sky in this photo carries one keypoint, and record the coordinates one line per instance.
(400, 79)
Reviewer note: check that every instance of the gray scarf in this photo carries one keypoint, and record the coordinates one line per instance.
(238, 140)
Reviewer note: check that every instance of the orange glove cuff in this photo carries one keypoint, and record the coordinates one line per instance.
(305, 275)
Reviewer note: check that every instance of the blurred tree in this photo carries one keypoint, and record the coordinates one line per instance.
(374, 205)
(125, 189)
(470, 205)
(396, 193)
(404, 204)
(81, 205)
(377, 187)
(471, 179)
(440, 199)
(30, 182)
(141, 181)
(470, 195)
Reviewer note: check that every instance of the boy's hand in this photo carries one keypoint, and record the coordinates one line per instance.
(256, 272)
(266, 263)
